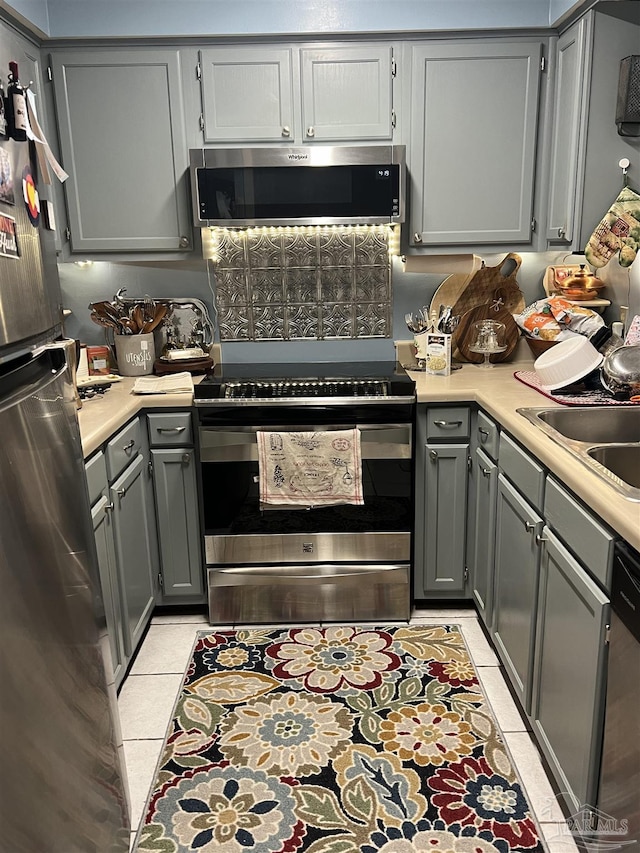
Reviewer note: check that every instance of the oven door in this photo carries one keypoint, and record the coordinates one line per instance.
(239, 530)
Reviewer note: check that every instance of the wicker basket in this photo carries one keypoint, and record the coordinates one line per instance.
(537, 346)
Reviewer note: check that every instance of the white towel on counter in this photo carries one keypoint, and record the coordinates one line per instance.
(309, 469)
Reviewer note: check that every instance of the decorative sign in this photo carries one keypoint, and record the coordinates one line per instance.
(30, 193)
(8, 239)
(6, 178)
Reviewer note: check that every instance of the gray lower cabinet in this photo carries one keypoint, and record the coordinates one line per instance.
(122, 137)
(485, 482)
(110, 585)
(442, 467)
(515, 589)
(569, 671)
(174, 476)
(173, 463)
(440, 546)
(472, 151)
(134, 550)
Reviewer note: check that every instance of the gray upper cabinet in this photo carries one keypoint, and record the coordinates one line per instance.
(122, 139)
(585, 149)
(294, 95)
(247, 94)
(568, 71)
(346, 93)
(474, 115)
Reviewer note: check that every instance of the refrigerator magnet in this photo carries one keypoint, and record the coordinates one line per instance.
(8, 238)
(30, 194)
(6, 178)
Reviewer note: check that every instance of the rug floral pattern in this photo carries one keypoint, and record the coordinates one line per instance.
(335, 740)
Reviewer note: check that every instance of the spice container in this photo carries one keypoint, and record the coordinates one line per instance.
(99, 361)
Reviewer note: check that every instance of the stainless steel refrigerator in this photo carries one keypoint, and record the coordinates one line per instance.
(63, 788)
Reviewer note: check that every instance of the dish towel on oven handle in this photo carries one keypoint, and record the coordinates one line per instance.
(310, 469)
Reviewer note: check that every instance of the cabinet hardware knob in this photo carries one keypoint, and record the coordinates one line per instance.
(184, 242)
(186, 458)
(121, 492)
(171, 429)
(529, 526)
(486, 472)
(129, 446)
(561, 233)
(109, 507)
(448, 423)
(417, 238)
(286, 131)
(483, 431)
(433, 455)
(311, 131)
(540, 539)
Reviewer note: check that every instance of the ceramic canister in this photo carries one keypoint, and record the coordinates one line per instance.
(135, 354)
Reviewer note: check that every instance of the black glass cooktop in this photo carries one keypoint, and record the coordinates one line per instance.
(318, 379)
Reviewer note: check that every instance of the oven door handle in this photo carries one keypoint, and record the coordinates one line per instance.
(260, 576)
(377, 441)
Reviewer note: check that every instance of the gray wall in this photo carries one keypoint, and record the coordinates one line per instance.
(60, 18)
(84, 284)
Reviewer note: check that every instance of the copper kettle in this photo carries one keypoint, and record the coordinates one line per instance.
(583, 284)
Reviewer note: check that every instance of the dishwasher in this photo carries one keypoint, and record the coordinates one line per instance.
(619, 797)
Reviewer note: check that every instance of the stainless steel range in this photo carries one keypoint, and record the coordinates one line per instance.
(306, 563)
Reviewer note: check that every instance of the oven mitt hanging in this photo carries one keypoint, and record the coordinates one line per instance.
(618, 230)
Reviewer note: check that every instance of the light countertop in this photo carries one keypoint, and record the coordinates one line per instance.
(500, 394)
(496, 390)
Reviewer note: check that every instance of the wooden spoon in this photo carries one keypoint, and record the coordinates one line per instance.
(158, 316)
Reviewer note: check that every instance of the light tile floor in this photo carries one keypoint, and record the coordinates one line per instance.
(149, 692)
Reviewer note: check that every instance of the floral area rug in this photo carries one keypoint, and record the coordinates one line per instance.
(335, 740)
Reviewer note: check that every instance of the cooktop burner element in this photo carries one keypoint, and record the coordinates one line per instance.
(335, 383)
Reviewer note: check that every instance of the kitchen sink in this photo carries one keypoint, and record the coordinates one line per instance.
(595, 424)
(623, 460)
(604, 438)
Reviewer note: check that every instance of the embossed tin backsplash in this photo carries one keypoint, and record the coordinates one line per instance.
(296, 284)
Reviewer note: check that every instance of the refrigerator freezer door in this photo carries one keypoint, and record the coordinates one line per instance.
(64, 790)
(29, 286)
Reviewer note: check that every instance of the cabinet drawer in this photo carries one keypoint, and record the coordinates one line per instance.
(448, 422)
(591, 542)
(170, 429)
(523, 471)
(123, 448)
(96, 473)
(487, 435)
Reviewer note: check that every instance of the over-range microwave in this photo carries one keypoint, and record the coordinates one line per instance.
(314, 185)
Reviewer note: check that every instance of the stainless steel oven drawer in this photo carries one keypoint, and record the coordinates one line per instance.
(319, 593)
(261, 549)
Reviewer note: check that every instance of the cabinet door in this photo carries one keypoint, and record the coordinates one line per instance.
(109, 584)
(568, 679)
(346, 93)
(474, 111)
(443, 523)
(247, 94)
(133, 551)
(174, 474)
(122, 138)
(517, 558)
(486, 489)
(569, 131)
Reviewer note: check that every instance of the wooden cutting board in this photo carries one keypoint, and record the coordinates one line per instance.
(465, 333)
(449, 291)
(480, 290)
